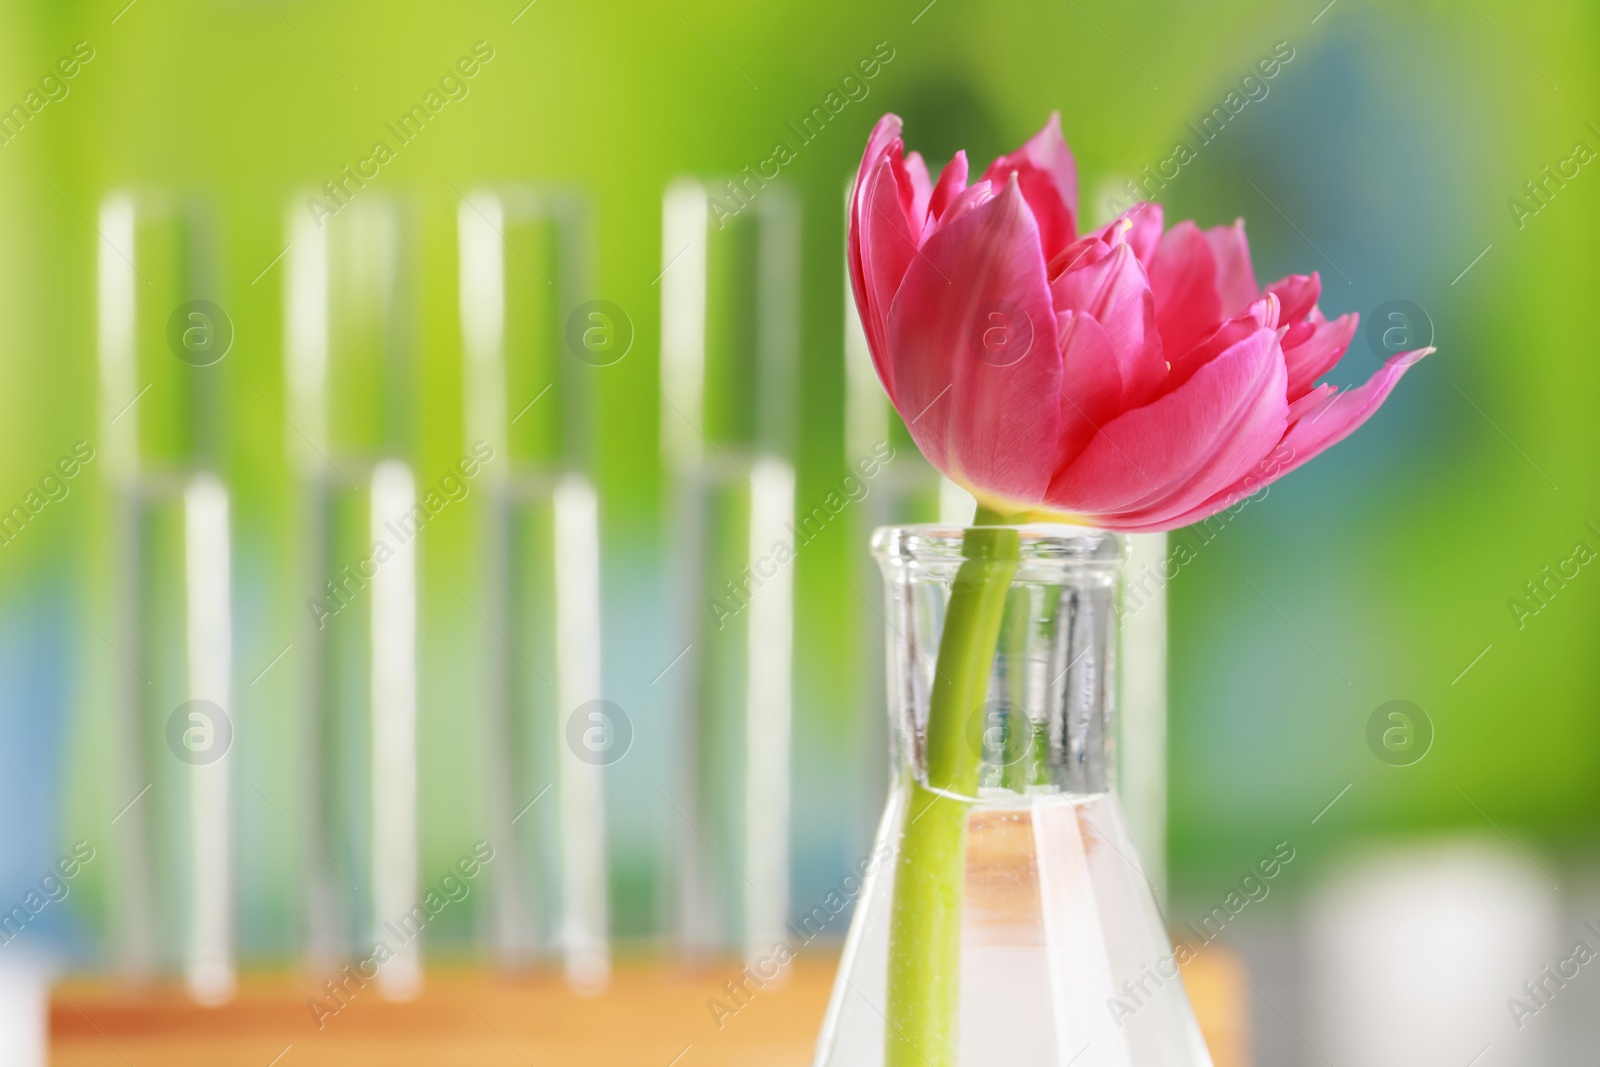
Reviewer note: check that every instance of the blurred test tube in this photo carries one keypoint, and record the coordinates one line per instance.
(729, 305)
(24, 1015)
(533, 344)
(350, 363)
(1142, 704)
(161, 336)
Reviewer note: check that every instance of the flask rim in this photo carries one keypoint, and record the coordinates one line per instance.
(1039, 542)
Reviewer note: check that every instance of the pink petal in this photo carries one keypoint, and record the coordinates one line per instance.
(1310, 400)
(1311, 356)
(921, 189)
(873, 296)
(1091, 384)
(1110, 285)
(1190, 443)
(1261, 315)
(884, 133)
(992, 427)
(977, 194)
(1049, 181)
(1139, 226)
(1183, 278)
(1236, 279)
(882, 246)
(1086, 249)
(952, 181)
(1314, 429)
(883, 143)
(1299, 293)
(1267, 311)
(1145, 233)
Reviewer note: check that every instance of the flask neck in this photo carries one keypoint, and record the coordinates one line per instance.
(1046, 721)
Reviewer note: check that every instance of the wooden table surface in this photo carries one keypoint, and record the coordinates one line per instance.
(649, 1016)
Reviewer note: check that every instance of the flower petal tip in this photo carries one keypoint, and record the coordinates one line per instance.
(1407, 359)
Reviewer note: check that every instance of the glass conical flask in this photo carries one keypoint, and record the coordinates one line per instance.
(1016, 927)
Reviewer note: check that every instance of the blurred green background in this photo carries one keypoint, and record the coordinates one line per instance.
(1384, 155)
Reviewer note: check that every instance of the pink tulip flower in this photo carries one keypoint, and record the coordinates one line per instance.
(1130, 378)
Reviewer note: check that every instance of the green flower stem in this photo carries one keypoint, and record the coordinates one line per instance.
(925, 922)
